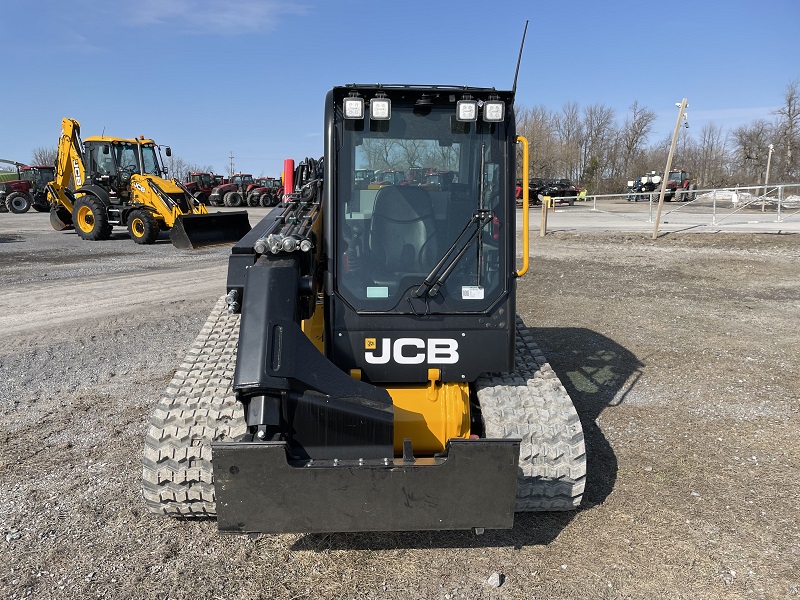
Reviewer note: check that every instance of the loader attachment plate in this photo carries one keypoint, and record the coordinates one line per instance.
(196, 231)
(472, 485)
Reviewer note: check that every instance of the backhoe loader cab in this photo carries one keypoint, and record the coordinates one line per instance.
(382, 379)
(103, 181)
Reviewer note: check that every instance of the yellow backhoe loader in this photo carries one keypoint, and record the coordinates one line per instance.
(105, 181)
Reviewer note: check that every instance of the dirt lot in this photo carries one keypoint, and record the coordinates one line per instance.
(681, 355)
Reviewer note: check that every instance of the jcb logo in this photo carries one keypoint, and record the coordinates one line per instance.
(76, 173)
(411, 351)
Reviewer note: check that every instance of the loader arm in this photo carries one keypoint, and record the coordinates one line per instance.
(69, 165)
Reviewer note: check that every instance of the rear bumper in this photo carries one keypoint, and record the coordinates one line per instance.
(472, 485)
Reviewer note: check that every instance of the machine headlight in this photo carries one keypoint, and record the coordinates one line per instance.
(380, 109)
(467, 110)
(494, 111)
(353, 108)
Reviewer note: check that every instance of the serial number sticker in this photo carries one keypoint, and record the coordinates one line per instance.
(377, 292)
(472, 292)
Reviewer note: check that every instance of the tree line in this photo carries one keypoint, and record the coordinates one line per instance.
(589, 146)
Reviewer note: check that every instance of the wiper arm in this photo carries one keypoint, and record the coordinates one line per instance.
(432, 284)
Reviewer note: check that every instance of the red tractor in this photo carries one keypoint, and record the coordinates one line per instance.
(680, 186)
(201, 184)
(232, 193)
(266, 191)
(28, 189)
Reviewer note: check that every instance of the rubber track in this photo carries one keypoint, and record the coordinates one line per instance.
(197, 407)
(531, 404)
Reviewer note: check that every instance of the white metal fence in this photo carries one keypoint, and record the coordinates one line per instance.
(718, 206)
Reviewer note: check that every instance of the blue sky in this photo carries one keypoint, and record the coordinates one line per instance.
(211, 77)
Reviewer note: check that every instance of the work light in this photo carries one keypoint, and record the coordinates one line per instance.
(380, 109)
(353, 108)
(494, 111)
(467, 110)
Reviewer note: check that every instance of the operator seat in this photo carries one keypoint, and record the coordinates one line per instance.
(402, 235)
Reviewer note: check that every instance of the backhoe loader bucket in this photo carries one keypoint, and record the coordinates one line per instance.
(197, 231)
(60, 218)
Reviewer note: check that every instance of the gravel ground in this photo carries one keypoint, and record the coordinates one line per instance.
(681, 355)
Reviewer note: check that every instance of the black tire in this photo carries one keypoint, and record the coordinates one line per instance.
(90, 219)
(143, 226)
(201, 198)
(41, 206)
(3, 208)
(233, 199)
(18, 203)
(265, 200)
(253, 199)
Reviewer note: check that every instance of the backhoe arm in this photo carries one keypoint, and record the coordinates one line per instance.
(69, 165)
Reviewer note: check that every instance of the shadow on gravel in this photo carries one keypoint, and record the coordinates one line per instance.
(597, 372)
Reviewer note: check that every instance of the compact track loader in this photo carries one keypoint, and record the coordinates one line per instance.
(366, 370)
(105, 181)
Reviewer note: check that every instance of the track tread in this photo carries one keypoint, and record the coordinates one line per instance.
(532, 404)
(198, 407)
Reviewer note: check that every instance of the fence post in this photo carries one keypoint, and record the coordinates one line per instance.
(714, 208)
(543, 226)
(780, 201)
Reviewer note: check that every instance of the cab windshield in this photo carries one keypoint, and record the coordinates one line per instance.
(127, 156)
(395, 229)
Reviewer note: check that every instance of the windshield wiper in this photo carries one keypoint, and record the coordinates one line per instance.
(436, 278)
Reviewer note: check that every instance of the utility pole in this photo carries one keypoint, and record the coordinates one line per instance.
(681, 116)
(766, 178)
(231, 171)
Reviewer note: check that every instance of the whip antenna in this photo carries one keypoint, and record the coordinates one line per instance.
(519, 58)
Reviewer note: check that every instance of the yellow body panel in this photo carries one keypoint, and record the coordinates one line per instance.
(429, 414)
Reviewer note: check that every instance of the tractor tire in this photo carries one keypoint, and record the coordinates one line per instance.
(233, 199)
(18, 203)
(90, 219)
(692, 195)
(531, 404)
(199, 406)
(3, 208)
(253, 199)
(201, 198)
(143, 227)
(265, 200)
(43, 206)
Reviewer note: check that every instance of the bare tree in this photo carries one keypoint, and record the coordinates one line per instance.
(638, 126)
(598, 133)
(536, 125)
(751, 143)
(569, 129)
(44, 156)
(713, 157)
(788, 129)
